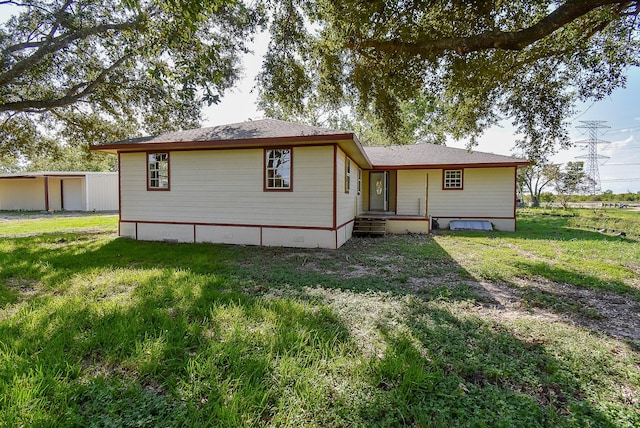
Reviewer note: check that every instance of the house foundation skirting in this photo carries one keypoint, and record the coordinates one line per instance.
(238, 234)
(504, 224)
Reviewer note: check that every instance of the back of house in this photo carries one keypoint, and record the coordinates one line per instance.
(271, 182)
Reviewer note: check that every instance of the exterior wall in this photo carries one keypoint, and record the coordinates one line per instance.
(346, 203)
(488, 194)
(102, 192)
(226, 187)
(344, 234)
(218, 196)
(362, 194)
(299, 238)
(22, 194)
(55, 196)
(128, 230)
(392, 191)
(365, 191)
(412, 192)
(162, 232)
(401, 226)
(228, 235)
(95, 191)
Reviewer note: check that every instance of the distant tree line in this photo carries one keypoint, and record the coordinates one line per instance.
(606, 196)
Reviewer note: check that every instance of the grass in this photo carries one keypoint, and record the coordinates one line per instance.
(100, 331)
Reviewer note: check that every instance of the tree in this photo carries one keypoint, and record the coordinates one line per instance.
(8, 164)
(536, 177)
(572, 180)
(73, 158)
(89, 71)
(478, 61)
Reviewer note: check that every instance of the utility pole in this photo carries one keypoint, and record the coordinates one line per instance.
(592, 157)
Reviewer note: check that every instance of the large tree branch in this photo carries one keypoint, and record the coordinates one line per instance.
(58, 43)
(506, 40)
(71, 96)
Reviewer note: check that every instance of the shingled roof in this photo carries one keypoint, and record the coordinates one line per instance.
(253, 133)
(250, 130)
(434, 156)
(273, 132)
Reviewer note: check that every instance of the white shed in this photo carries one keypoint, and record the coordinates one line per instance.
(59, 191)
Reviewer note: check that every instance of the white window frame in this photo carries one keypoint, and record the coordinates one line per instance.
(278, 177)
(347, 175)
(158, 170)
(452, 179)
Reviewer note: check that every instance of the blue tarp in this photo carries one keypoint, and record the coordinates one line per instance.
(470, 225)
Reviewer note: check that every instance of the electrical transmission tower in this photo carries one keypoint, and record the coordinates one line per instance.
(592, 157)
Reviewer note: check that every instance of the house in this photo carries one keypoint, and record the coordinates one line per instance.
(57, 191)
(270, 182)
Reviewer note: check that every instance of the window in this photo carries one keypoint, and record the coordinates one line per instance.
(452, 179)
(347, 175)
(277, 170)
(158, 171)
(359, 181)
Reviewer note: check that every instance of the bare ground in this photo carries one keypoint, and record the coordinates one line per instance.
(609, 313)
(615, 315)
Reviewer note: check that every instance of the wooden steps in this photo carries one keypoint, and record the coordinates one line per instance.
(370, 226)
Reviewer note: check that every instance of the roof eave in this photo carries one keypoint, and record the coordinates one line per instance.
(347, 141)
(453, 165)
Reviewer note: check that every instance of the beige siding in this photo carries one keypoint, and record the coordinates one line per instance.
(360, 205)
(226, 187)
(365, 191)
(399, 226)
(412, 191)
(488, 192)
(22, 194)
(102, 192)
(347, 203)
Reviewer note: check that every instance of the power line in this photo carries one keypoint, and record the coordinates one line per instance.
(592, 156)
(622, 130)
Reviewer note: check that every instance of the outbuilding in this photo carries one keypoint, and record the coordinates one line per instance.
(59, 191)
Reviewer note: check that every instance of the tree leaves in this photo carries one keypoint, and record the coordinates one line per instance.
(89, 71)
(477, 62)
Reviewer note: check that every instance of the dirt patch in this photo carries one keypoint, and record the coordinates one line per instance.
(613, 314)
(26, 287)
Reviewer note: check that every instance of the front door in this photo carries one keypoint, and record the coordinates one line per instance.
(378, 199)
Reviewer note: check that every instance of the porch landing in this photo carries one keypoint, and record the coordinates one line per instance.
(382, 222)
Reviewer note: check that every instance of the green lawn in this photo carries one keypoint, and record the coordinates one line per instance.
(395, 331)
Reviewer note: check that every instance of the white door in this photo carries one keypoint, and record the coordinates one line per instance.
(71, 194)
(378, 199)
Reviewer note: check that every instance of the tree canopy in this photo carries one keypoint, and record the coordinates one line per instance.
(473, 63)
(89, 71)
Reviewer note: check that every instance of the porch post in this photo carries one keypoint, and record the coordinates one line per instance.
(46, 193)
